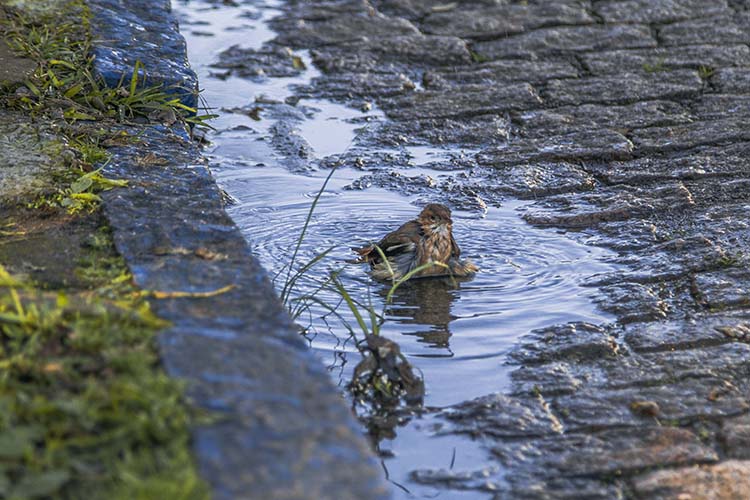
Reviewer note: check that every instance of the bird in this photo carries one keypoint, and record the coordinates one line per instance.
(425, 241)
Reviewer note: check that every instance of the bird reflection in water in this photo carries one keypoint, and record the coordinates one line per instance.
(426, 302)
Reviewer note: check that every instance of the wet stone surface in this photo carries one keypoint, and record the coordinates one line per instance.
(281, 430)
(26, 163)
(250, 63)
(725, 480)
(145, 32)
(278, 429)
(625, 120)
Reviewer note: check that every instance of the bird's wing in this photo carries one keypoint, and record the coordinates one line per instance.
(403, 239)
(455, 249)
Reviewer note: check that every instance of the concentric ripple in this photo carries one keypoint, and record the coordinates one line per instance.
(530, 278)
(456, 333)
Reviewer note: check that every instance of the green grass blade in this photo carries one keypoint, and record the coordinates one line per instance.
(285, 291)
(14, 319)
(375, 321)
(57, 62)
(386, 261)
(134, 77)
(5, 277)
(350, 303)
(291, 282)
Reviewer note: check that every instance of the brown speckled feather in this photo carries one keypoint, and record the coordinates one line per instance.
(427, 239)
(403, 239)
(455, 249)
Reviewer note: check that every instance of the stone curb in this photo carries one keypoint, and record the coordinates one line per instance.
(131, 31)
(282, 431)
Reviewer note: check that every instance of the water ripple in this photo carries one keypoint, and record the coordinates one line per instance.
(530, 278)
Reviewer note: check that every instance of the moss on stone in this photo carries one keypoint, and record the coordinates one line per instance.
(86, 410)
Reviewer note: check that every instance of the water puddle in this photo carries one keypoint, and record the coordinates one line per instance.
(457, 334)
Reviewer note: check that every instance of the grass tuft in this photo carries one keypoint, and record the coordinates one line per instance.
(86, 410)
(64, 82)
(84, 406)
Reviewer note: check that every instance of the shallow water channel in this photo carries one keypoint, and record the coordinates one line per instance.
(457, 334)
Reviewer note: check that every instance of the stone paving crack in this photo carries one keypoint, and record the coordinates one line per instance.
(627, 119)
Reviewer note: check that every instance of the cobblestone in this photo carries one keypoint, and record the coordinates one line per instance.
(13, 69)
(574, 146)
(625, 88)
(731, 80)
(501, 71)
(674, 335)
(553, 41)
(573, 341)
(314, 32)
(469, 100)
(690, 136)
(503, 417)
(722, 30)
(26, 163)
(725, 481)
(668, 58)
(662, 11)
(735, 437)
(502, 20)
(616, 451)
(626, 121)
(393, 54)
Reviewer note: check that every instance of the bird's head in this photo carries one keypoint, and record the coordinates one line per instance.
(436, 219)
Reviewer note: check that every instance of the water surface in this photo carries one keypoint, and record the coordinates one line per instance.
(457, 334)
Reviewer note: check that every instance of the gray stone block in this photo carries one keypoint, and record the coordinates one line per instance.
(552, 41)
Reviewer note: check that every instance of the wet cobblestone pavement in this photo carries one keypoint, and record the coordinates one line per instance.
(626, 122)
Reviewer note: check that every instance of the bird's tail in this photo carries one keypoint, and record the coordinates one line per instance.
(461, 268)
(365, 254)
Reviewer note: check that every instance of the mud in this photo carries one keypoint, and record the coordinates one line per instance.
(47, 248)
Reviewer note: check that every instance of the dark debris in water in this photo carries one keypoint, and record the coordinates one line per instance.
(385, 379)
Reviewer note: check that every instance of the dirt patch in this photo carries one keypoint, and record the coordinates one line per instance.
(47, 248)
(13, 69)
